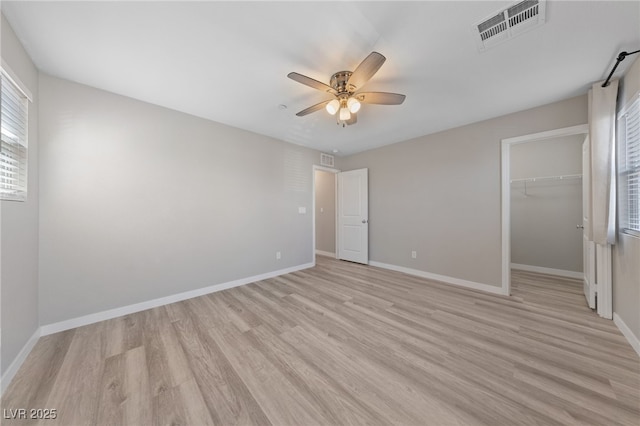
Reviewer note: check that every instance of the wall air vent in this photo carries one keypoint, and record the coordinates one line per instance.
(326, 160)
(510, 22)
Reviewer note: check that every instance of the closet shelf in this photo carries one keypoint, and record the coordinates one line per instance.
(545, 178)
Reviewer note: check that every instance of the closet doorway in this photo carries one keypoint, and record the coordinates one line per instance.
(546, 206)
(542, 209)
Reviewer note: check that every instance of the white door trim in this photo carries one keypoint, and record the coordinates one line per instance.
(604, 306)
(588, 246)
(506, 190)
(313, 206)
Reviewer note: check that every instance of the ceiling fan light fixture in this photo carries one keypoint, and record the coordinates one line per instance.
(346, 86)
(354, 105)
(333, 107)
(344, 114)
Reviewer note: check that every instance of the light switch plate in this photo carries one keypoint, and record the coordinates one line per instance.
(302, 210)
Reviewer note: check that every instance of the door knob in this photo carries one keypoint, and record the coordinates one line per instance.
(579, 226)
(364, 220)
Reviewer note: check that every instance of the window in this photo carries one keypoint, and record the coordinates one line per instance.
(629, 170)
(13, 146)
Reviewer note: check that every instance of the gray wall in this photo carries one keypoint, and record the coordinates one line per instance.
(626, 252)
(543, 221)
(139, 202)
(19, 224)
(440, 194)
(325, 211)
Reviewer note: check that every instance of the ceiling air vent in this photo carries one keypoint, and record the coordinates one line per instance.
(326, 160)
(510, 22)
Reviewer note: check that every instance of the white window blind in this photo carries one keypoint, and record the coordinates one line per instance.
(629, 130)
(13, 146)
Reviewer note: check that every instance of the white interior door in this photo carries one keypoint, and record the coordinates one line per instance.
(588, 247)
(353, 216)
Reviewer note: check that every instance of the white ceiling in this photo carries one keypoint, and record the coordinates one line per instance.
(228, 61)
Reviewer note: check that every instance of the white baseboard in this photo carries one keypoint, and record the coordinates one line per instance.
(626, 332)
(326, 253)
(8, 375)
(549, 271)
(143, 306)
(443, 278)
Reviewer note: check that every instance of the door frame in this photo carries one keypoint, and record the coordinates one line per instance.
(588, 246)
(505, 169)
(335, 172)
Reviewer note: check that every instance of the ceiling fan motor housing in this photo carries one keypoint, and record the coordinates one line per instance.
(339, 81)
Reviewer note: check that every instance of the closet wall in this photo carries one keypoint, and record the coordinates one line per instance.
(545, 212)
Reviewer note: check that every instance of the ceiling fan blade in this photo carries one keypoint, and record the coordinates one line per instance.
(313, 108)
(380, 98)
(365, 70)
(352, 120)
(308, 81)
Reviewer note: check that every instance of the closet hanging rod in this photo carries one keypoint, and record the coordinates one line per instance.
(543, 178)
(619, 59)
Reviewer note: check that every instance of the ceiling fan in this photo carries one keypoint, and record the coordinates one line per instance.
(344, 86)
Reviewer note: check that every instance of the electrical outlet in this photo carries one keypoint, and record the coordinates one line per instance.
(414, 254)
(278, 255)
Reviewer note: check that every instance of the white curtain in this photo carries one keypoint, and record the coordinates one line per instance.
(602, 129)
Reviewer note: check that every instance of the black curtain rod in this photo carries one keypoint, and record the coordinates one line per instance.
(619, 59)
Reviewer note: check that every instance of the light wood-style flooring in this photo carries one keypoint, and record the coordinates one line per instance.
(338, 344)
